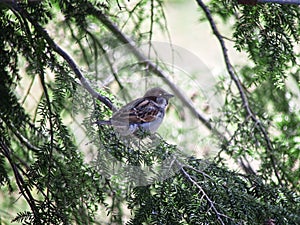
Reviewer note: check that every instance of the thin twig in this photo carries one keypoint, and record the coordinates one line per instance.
(119, 5)
(28, 90)
(190, 179)
(20, 181)
(104, 52)
(240, 87)
(51, 125)
(23, 139)
(151, 27)
(211, 203)
(198, 171)
(82, 48)
(131, 13)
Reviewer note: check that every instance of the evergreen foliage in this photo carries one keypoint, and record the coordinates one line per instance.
(44, 174)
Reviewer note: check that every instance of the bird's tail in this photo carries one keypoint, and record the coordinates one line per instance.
(103, 122)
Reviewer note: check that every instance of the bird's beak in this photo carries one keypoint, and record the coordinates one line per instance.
(168, 95)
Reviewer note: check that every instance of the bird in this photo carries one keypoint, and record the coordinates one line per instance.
(142, 114)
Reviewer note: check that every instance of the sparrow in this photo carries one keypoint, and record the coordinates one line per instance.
(145, 113)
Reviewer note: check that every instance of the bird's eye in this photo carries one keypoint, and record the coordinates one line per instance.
(161, 101)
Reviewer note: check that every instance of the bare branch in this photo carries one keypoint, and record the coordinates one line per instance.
(208, 199)
(196, 170)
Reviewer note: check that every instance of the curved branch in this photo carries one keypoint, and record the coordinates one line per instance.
(23, 139)
(239, 85)
(64, 55)
(23, 187)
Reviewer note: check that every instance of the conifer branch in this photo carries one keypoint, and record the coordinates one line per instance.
(160, 73)
(23, 187)
(250, 114)
(23, 139)
(208, 199)
(56, 48)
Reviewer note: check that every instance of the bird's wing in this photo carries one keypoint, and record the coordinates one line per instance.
(141, 110)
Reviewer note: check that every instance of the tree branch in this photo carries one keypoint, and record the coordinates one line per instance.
(210, 202)
(110, 64)
(156, 70)
(23, 139)
(19, 180)
(153, 67)
(51, 126)
(64, 55)
(238, 84)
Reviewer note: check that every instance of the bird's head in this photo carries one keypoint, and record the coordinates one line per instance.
(158, 92)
